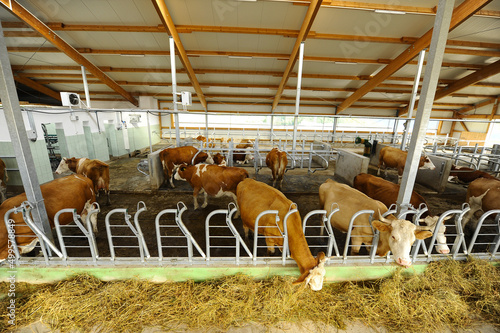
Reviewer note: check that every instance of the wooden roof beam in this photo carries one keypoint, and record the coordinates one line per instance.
(460, 14)
(394, 7)
(38, 87)
(20, 12)
(304, 31)
(279, 56)
(246, 30)
(470, 79)
(168, 23)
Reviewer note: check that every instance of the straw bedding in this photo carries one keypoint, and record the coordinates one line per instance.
(448, 294)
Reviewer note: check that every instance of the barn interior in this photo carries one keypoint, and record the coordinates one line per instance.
(329, 82)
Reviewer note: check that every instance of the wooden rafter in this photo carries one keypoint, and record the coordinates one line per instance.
(460, 14)
(245, 30)
(470, 79)
(279, 56)
(60, 44)
(477, 105)
(304, 31)
(38, 87)
(394, 7)
(168, 23)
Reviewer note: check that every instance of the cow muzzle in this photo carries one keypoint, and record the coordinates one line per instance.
(404, 262)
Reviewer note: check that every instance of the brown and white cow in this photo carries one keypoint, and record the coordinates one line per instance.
(483, 194)
(96, 170)
(255, 197)
(466, 175)
(203, 139)
(276, 160)
(391, 157)
(171, 158)
(3, 179)
(211, 179)
(396, 235)
(387, 193)
(243, 152)
(74, 191)
(219, 159)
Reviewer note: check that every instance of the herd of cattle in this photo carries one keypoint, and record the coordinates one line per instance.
(209, 175)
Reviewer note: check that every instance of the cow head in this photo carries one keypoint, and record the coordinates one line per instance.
(89, 206)
(426, 163)
(476, 205)
(431, 221)
(314, 277)
(401, 235)
(209, 159)
(179, 173)
(63, 166)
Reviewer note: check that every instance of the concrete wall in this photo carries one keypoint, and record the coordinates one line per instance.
(97, 134)
(349, 165)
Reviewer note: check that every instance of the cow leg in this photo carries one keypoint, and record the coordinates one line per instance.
(171, 169)
(205, 203)
(245, 230)
(195, 197)
(108, 202)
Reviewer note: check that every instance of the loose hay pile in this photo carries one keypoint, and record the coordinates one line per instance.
(451, 293)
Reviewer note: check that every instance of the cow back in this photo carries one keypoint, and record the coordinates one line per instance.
(254, 197)
(479, 186)
(384, 191)
(178, 155)
(72, 191)
(392, 157)
(350, 201)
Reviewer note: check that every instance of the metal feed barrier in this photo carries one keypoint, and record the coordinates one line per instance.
(170, 228)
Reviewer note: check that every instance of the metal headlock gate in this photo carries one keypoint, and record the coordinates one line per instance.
(484, 244)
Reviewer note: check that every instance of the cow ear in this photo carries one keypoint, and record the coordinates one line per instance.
(381, 226)
(423, 234)
(301, 279)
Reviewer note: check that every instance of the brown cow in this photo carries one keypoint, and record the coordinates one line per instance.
(276, 160)
(483, 194)
(74, 191)
(396, 158)
(396, 235)
(387, 193)
(96, 170)
(255, 197)
(466, 175)
(211, 179)
(171, 158)
(219, 159)
(3, 175)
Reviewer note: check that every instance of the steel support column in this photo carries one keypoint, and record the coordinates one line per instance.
(19, 138)
(297, 98)
(174, 91)
(86, 87)
(413, 98)
(432, 70)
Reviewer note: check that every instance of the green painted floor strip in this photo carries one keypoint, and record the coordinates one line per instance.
(162, 274)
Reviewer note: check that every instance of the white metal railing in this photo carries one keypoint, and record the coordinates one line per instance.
(484, 243)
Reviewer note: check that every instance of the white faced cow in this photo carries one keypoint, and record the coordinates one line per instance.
(396, 235)
(387, 192)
